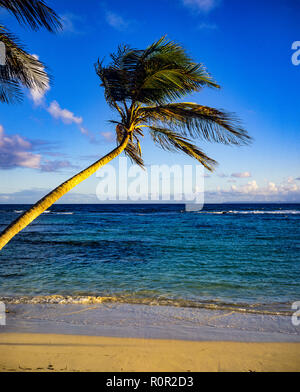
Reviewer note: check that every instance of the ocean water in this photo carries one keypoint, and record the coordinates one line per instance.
(237, 256)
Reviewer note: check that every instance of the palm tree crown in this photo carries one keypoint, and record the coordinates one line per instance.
(21, 68)
(142, 86)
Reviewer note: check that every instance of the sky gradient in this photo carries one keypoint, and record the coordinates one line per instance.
(245, 45)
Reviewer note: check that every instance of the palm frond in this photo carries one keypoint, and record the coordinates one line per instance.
(172, 141)
(158, 74)
(143, 85)
(132, 150)
(21, 67)
(34, 13)
(169, 73)
(193, 120)
(114, 84)
(10, 92)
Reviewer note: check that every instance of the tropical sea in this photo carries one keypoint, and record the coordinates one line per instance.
(244, 257)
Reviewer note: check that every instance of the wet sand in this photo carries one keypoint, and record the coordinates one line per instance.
(149, 322)
(122, 337)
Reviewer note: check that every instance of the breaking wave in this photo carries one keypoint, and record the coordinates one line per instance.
(264, 309)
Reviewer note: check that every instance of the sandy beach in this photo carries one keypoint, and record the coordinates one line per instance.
(48, 352)
(145, 227)
(122, 337)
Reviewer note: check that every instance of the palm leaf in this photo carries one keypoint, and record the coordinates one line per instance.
(34, 13)
(160, 73)
(21, 67)
(169, 73)
(113, 83)
(172, 141)
(143, 85)
(10, 92)
(191, 119)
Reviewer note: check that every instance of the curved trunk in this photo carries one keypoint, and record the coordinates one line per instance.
(25, 219)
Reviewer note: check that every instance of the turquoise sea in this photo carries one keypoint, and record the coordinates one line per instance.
(240, 256)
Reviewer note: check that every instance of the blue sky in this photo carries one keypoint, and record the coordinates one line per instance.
(246, 46)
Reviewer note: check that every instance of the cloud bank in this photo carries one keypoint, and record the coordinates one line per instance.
(285, 191)
(16, 151)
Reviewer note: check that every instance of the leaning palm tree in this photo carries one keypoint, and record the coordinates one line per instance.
(21, 68)
(142, 85)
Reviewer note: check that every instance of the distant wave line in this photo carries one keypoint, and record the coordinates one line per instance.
(48, 212)
(283, 212)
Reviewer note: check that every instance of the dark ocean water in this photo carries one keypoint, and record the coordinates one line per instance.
(243, 256)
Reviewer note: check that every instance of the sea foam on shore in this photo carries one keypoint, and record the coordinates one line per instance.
(144, 321)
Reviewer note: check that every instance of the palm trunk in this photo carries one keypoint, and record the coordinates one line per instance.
(25, 219)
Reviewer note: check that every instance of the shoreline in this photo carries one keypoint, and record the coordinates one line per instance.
(112, 337)
(149, 322)
(65, 353)
(276, 308)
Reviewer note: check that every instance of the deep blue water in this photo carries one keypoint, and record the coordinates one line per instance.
(225, 254)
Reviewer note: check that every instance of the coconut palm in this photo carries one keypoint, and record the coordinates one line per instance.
(141, 86)
(21, 68)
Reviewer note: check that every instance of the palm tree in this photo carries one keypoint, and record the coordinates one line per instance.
(21, 68)
(141, 85)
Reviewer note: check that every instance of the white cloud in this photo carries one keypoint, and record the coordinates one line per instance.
(16, 151)
(253, 188)
(286, 191)
(65, 115)
(37, 95)
(241, 175)
(116, 21)
(201, 5)
(68, 117)
(272, 188)
(250, 187)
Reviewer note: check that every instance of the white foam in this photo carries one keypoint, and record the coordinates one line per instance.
(283, 212)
